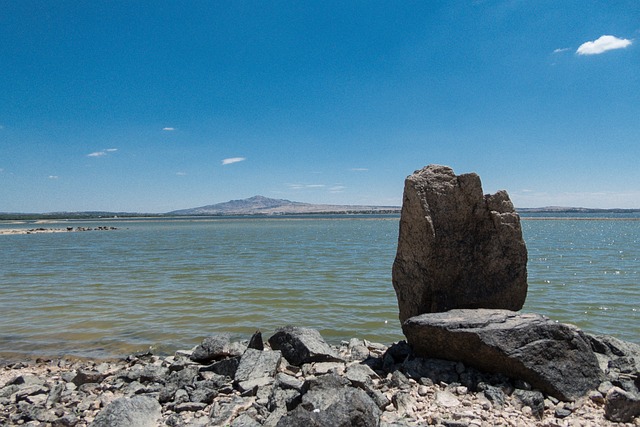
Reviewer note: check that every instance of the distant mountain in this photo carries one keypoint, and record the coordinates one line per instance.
(260, 205)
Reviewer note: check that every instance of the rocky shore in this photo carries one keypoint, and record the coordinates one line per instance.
(294, 379)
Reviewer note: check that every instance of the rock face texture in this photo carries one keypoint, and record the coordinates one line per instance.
(457, 248)
(553, 357)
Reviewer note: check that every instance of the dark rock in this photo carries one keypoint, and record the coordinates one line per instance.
(329, 403)
(146, 373)
(456, 247)
(302, 345)
(183, 377)
(54, 395)
(204, 391)
(494, 394)
(399, 380)
(190, 407)
(360, 375)
(286, 399)
(613, 347)
(436, 369)
(562, 412)
(67, 420)
(285, 381)
(216, 347)
(35, 413)
(256, 342)
(226, 367)
(138, 411)
(398, 352)
(244, 420)
(255, 364)
(621, 406)
(553, 357)
(26, 380)
(532, 399)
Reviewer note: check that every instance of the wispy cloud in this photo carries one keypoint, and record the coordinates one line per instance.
(337, 189)
(305, 186)
(168, 129)
(602, 44)
(102, 153)
(560, 50)
(181, 173)
(54, 177)
(358, 169)
(232, 160)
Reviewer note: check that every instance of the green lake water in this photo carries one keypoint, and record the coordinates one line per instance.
(168, 283)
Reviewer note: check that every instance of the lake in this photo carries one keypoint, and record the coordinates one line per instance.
(167, 283)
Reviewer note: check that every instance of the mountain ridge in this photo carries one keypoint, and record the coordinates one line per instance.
(266, 206)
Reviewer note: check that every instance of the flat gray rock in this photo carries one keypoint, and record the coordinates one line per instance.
(139, 411)
(553, 357)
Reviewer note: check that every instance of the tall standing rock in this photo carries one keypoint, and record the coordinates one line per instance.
(457, 248)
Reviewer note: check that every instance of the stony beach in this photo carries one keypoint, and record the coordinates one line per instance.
(247, 384)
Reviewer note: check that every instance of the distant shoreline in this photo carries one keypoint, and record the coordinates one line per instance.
(42, 230)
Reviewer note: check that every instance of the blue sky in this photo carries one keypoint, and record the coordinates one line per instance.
(162, 105)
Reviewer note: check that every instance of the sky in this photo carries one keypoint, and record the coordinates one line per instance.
(153, 106)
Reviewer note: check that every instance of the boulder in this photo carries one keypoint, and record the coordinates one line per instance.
(457, 248)
(302, 345)
(553, 357)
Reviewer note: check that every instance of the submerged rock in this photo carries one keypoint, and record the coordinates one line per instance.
(457, 248)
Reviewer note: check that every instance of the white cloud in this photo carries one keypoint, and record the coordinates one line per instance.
(102, 153)
(602, 44)
(560, 50)
(232, 160)
(181, 173)
(53, 177)
(168, 129)
(337, 189)
(97, 154)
